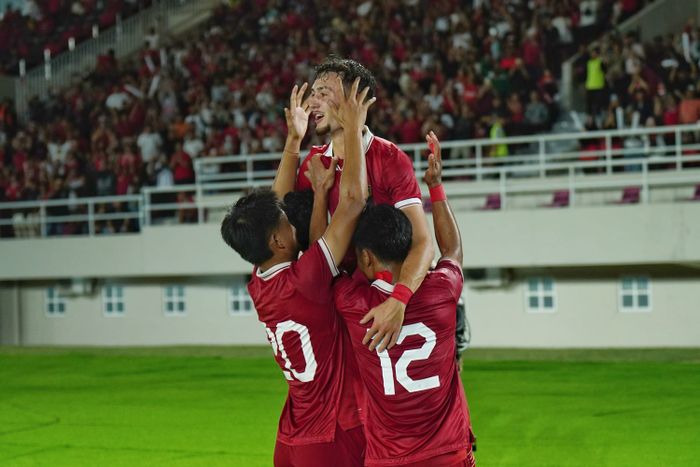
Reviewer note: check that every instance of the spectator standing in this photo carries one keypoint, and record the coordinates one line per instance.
(595, 83)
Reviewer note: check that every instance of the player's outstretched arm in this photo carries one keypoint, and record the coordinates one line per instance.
(350, 114)
(446, 229)
(322, 180)
(297, 116)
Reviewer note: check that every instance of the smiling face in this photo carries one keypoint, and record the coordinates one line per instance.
(324, 91)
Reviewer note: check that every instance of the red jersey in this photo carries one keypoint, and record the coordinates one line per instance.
(390, 174)
(415, 403)
(295, 302)
(390, 177)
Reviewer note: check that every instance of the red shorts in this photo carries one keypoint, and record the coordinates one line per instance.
(348, 450)
(461, 458)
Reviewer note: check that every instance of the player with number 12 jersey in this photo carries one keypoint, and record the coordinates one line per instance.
(416, 409)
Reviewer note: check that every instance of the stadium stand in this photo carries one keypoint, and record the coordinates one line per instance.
(25, 34)
(144, 122)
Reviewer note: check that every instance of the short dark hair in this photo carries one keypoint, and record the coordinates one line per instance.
(385, 231)
(348, 70)
(298, 206)
(250, 222)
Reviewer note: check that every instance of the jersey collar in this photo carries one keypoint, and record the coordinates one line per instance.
(367, 138)
(383, 286)
(273, 271)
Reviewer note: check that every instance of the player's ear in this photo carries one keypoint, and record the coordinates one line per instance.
(276, 242)
(366, 258)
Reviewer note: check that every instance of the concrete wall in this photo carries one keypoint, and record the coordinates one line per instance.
(585, 236)
(587, 313)
(10, 318)
(206, 321)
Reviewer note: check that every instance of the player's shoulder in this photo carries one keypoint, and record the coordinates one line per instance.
(386, 151)
(383, 146)
(445, 272)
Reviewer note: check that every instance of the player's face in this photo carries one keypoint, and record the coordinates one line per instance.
(325, 90)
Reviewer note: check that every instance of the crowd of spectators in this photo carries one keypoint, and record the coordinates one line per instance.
(465, 69)
(49, 24)
(632, 84)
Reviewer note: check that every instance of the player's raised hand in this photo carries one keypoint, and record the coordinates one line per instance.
(321, 178)
(351, 109)
(297, 114)
(387, 319)
(433, 174)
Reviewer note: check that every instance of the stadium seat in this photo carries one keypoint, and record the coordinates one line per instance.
(560, 199)
(630, 195)
(493, 203)
(696, 195)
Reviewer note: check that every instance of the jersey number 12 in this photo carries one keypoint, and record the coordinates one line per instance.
(408, 356)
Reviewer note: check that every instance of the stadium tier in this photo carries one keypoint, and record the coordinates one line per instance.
(463, 69)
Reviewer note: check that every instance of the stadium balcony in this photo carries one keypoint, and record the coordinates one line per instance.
(545, 171)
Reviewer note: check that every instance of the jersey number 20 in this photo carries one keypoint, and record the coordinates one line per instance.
(306, 348)
(408, 356)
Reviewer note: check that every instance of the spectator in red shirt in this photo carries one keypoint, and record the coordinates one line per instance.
(181, 165)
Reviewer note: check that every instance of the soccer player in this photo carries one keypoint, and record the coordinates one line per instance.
(391, 180)
(320, 423)
(416, 410)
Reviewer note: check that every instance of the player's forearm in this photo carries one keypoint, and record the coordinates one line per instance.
(447, 231)
(353, 181)
(416, 265)
(319, 217)
(287, 170)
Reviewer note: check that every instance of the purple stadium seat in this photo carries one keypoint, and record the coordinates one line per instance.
(695, 197)
(493, 203)
(560, 199)
(630, 195)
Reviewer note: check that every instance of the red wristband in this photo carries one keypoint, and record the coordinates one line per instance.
(402, 293)
(437, 193)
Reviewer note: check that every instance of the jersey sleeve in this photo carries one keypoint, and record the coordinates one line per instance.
(451, 273)
(313, 273)
(303, 183)
(401, 181)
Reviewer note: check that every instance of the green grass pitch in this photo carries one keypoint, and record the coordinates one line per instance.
(219, 406)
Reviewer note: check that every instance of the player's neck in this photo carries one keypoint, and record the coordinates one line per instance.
(395, 269)
(338, 140)
(274, 261)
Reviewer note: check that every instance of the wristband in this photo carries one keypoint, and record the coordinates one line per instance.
(402, 293)
(437, 193)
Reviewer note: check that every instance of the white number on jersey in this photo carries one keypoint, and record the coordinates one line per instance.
(408, 356)
(306, 348)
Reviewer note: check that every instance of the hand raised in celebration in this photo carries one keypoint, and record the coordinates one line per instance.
(433, 174)
(321, 178)
(351, 109)
(297, 114)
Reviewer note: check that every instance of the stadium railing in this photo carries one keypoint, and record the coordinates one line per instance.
(36, 219)
(468, 173)
(542, 155)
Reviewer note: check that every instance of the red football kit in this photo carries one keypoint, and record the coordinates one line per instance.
(390, 174)
(295, 302)
(416, 411)
(390, 177)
